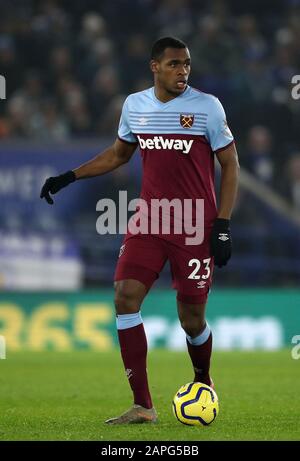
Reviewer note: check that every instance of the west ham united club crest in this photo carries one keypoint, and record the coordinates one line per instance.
(186, 121)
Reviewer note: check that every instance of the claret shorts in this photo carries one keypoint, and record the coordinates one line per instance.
(143, 256)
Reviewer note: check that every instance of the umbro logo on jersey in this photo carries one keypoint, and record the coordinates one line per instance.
(226, 129)
(159, 142)
(143, 121)
(223, 237)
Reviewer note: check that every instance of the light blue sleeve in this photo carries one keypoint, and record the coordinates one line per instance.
(124, 131)
(218, 132)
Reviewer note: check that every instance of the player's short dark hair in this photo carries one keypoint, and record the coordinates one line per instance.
(161, 44)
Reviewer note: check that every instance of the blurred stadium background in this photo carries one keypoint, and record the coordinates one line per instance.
(68, 68)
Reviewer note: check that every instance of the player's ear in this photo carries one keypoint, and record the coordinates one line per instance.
(154, 66)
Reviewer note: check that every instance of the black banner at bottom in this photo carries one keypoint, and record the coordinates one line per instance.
(138, 449)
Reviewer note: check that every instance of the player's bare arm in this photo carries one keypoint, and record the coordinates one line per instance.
(108, 160)
(113, 157)
(220, 236)
(229, 162)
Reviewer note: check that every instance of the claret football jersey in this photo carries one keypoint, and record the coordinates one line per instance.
(177, 141)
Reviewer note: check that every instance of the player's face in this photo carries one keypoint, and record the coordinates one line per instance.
(172, 70)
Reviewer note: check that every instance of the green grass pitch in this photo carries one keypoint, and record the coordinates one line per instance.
(67, 396)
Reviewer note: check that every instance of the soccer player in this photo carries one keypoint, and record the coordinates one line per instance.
(179, 130)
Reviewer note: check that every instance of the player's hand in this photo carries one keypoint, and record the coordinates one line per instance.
(220, 242)
(55, 183)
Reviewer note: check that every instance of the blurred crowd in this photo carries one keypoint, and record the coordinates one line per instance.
(69, 65)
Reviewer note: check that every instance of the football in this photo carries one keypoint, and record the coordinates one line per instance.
(196, 404)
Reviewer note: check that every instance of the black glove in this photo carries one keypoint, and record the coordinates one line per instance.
(220, 242)
(55, 183)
